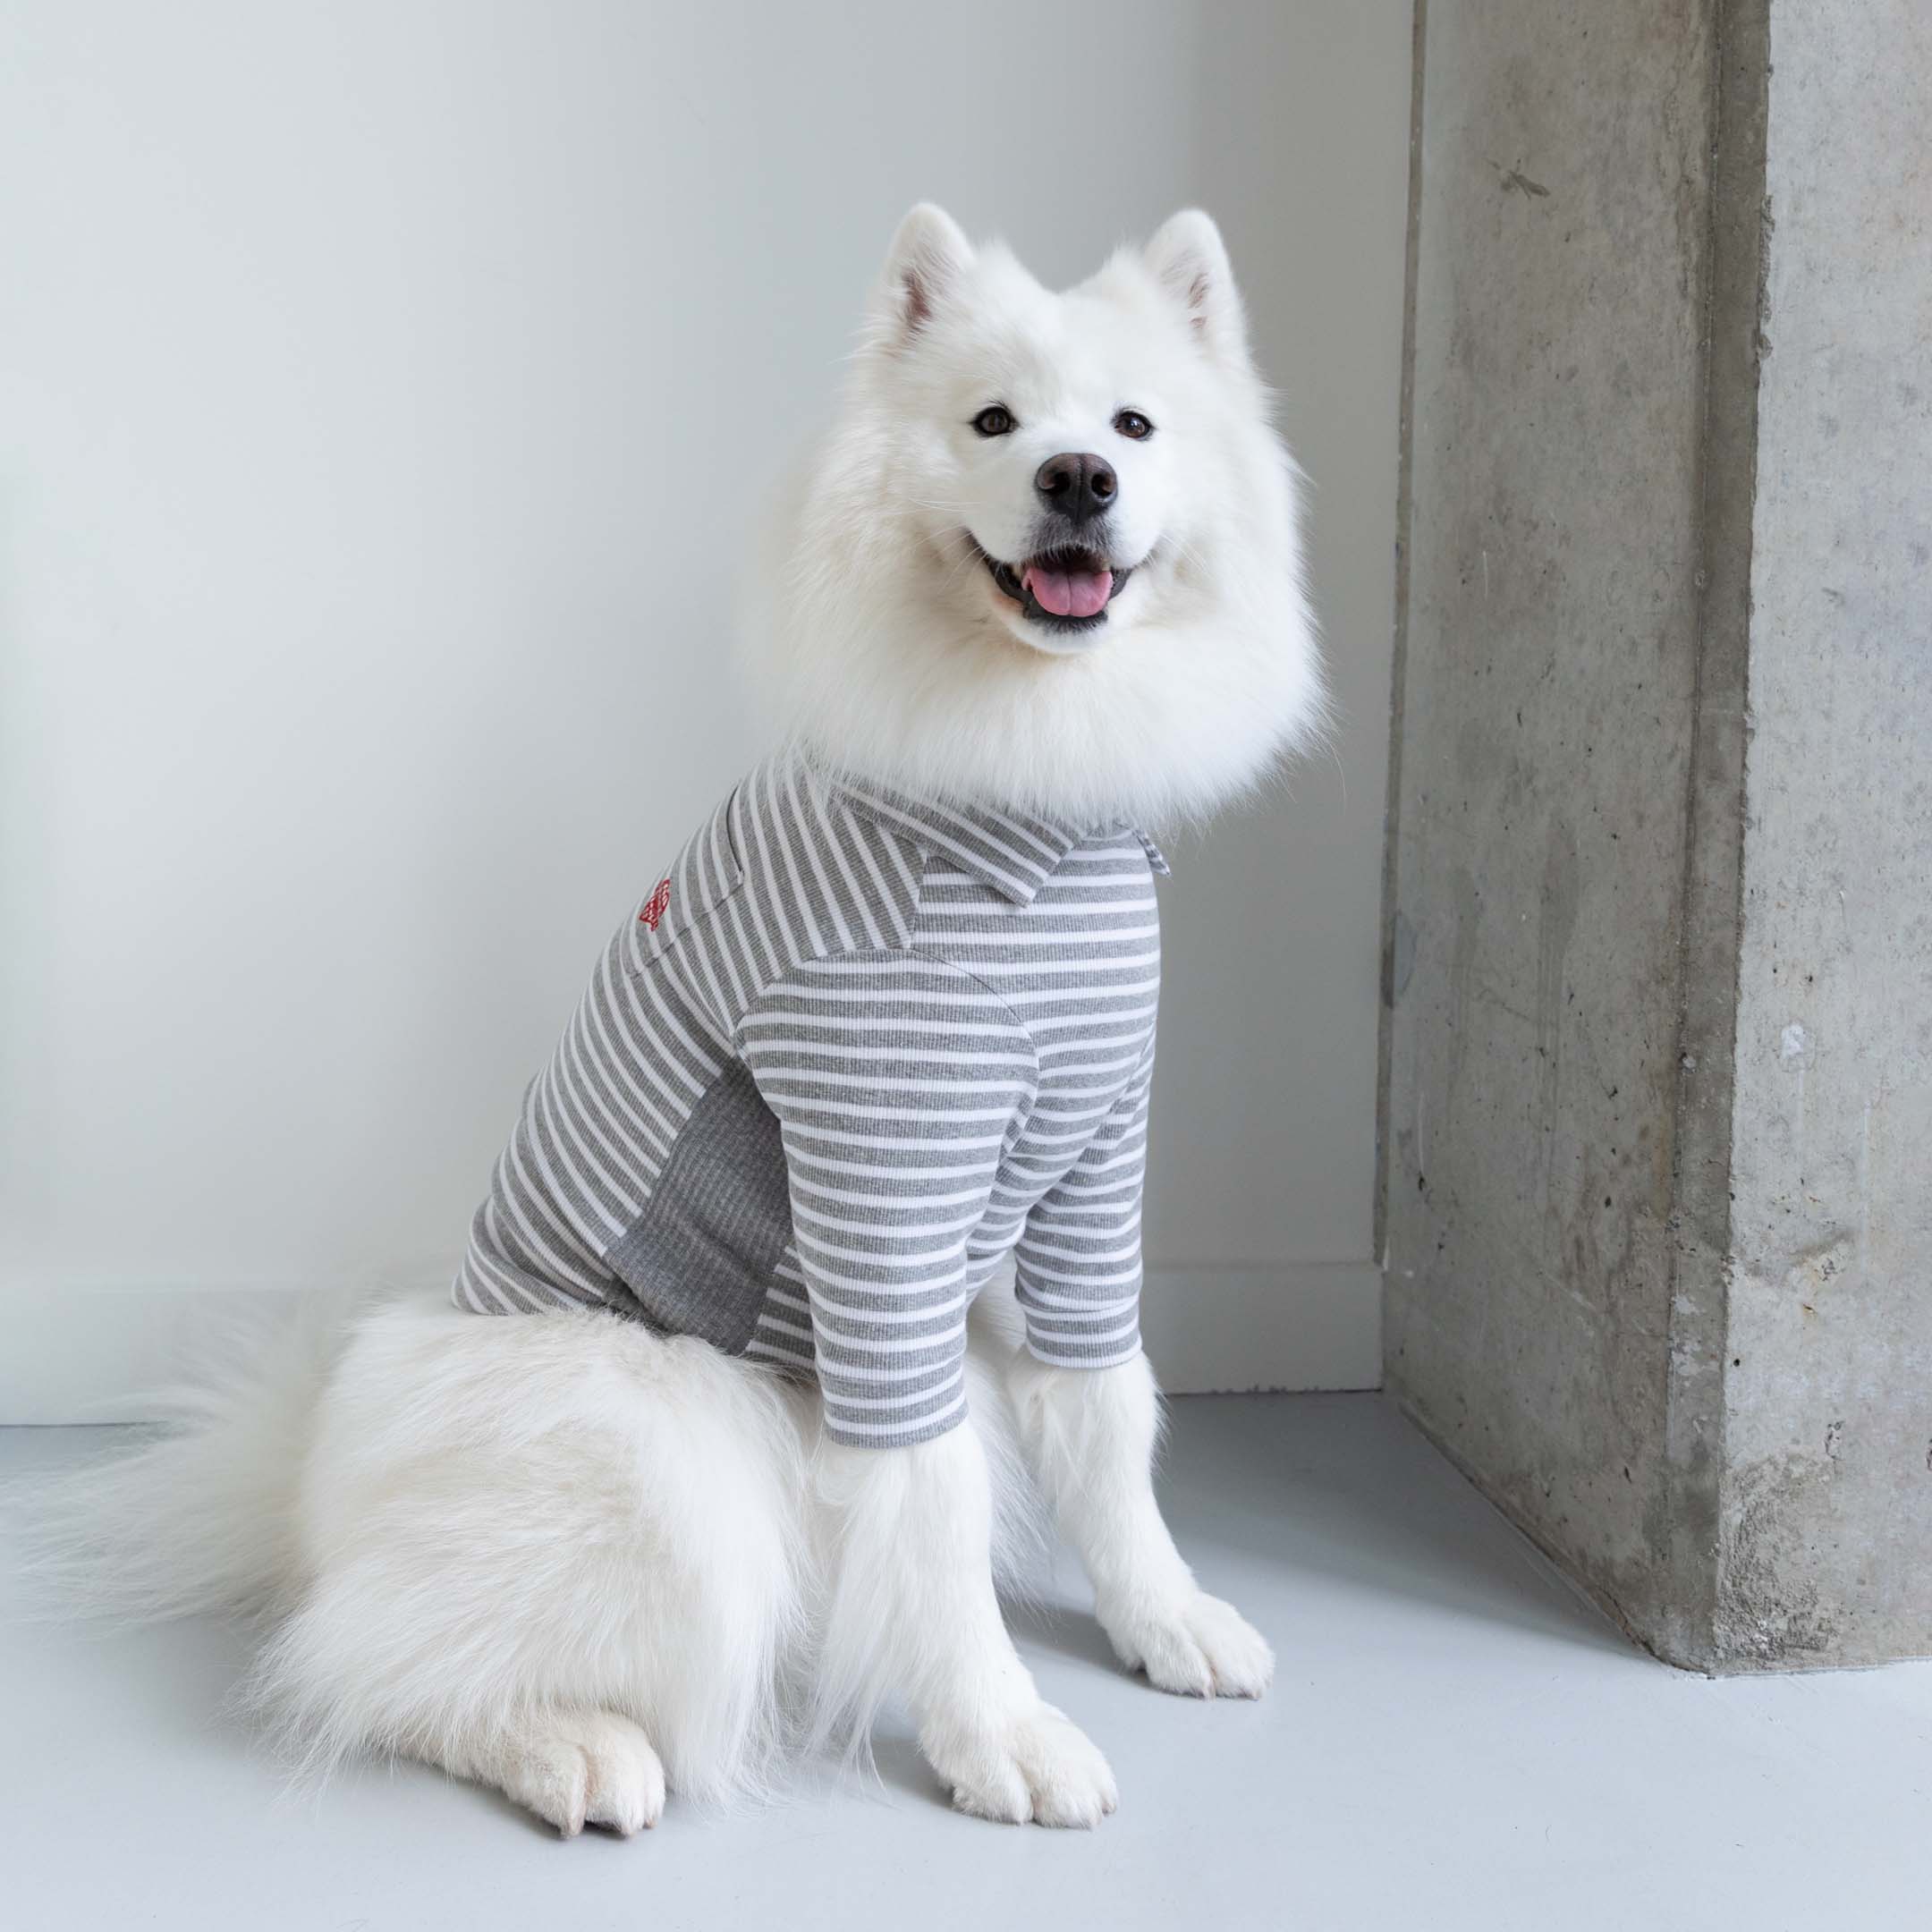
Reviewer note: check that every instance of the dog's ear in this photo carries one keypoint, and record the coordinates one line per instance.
(1190, 261)
(929, 257)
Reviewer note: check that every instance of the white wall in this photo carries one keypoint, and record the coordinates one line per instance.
(383, 390)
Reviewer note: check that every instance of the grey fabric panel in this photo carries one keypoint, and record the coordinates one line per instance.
(701, 1256)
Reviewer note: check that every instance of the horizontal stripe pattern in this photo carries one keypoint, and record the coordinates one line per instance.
(951, 1013)
(893, 1139)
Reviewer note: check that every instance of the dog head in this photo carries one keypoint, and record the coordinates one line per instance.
(1066, 443)
(1049, 555)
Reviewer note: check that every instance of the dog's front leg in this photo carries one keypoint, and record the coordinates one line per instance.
(1090, 1434)
(913, 1614)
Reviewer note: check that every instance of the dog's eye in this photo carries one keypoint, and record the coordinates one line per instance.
(1133, 423)
(996, 420)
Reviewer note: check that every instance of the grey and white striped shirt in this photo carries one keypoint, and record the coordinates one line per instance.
(849, 1052)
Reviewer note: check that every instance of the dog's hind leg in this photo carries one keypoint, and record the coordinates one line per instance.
(558, 1554)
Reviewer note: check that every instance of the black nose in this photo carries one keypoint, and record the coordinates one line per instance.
(1080, 487)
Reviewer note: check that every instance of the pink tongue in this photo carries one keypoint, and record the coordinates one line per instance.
(1069, 593)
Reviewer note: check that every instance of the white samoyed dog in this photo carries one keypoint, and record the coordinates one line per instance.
(1047, 562)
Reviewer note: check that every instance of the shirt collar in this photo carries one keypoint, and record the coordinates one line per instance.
(1011, 852)
(1155, 857)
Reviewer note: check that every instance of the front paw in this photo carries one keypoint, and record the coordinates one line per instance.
(1200, 1647)
(1035, 1766)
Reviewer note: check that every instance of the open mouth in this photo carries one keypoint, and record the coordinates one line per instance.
(1066, 589)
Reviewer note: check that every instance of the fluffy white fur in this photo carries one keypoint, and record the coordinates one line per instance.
(586, 1565)
(879, 638)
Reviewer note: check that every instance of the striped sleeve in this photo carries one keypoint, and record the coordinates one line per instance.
(896, 1080)
(1078, 1275)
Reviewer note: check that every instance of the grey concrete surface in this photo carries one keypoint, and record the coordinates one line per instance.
(1548, 685)
(1658, 1093)
(1456, 1742)
(1826, 1525)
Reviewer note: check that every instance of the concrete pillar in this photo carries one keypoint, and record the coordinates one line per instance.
(1658, 1043)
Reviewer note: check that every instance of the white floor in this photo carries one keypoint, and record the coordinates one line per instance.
(1454, 1742)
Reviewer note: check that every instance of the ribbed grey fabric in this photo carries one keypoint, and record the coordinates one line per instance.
(949, 1015)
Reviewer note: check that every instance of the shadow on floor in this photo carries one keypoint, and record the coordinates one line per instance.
(1344, 1489)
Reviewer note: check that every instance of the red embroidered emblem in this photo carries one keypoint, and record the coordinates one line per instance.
(657, 905)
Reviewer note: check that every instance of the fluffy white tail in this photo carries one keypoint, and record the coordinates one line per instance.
(202, 1515)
